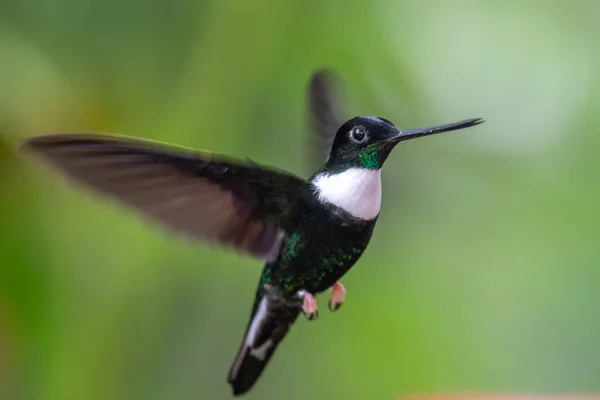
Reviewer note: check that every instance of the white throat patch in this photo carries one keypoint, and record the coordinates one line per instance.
(356, 190)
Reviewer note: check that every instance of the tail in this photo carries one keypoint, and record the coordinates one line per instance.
(272, 316)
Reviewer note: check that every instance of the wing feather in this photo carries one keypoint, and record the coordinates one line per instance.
(325, 115)
(200, 194)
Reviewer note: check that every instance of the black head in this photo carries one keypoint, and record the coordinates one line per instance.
(366, 142)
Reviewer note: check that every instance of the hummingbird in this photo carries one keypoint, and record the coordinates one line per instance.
(308, 232)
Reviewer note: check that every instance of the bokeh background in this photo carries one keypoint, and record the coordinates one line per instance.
(483, 274)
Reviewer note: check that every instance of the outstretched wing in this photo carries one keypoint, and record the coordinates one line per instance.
(324, 101)
(200, 194)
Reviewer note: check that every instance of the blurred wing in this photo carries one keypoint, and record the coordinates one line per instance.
(196, 193)
(324, 93)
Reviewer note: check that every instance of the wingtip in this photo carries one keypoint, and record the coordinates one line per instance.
(42, 142)
(325, 77)
(34, 145)
(321, 72)
(28, 144)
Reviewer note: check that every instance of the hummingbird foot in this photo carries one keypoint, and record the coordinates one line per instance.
(338, 293)
(309, 307)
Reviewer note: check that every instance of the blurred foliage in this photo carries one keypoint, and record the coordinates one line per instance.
(483, 273)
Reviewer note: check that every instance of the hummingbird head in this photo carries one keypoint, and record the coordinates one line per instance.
(366, 142)
(351, 178)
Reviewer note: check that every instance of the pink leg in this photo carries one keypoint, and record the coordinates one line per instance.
(309, 307)
(338, 293)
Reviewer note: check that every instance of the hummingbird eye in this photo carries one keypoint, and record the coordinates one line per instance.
(359, 135)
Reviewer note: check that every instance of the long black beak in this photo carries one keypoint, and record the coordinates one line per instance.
(417, 133)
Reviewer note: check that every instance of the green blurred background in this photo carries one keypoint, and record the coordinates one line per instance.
(483, 274)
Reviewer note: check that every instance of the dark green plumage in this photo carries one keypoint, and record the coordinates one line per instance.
(321, 246)
(309, 232)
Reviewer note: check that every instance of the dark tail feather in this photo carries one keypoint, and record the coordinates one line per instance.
(246, 370)
(272, 317)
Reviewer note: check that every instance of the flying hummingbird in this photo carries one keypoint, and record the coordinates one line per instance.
(309, 232)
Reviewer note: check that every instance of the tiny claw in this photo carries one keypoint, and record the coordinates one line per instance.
(311, 316)
(309, 308)
(333, 307)
(338, 293)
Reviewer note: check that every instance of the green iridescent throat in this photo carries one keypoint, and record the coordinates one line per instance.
(369, 158)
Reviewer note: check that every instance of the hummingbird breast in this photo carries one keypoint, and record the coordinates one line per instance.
(355, 190)
(323, 242)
